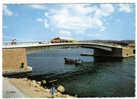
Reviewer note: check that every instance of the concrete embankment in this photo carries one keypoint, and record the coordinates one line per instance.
(10, 91)
(30, 89)
(18, 72)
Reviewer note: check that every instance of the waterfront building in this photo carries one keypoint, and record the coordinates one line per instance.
(63, 40)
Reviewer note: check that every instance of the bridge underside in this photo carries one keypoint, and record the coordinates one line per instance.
(116, 53)
(103, 51)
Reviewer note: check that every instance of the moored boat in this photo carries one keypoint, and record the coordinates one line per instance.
(72, 61)
(86, 54)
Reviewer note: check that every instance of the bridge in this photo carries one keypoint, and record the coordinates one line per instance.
(100, 49)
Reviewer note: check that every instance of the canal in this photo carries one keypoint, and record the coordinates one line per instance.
(89, 79)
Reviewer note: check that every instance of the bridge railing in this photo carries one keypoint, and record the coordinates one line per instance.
(19, 43)
(9, 44)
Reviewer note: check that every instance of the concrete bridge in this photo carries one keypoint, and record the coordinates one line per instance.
(103, 50)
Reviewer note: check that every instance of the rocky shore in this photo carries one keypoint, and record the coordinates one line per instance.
(33, 89)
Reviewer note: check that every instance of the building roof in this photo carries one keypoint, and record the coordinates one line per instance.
(65, 38)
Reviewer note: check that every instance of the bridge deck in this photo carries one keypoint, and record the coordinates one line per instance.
(99, 49)
(58, 44)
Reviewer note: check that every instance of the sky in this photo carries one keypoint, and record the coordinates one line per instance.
(77, 21)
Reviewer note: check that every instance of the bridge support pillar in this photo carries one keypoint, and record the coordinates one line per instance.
(99, 53)
(14, 59)
(115, 53)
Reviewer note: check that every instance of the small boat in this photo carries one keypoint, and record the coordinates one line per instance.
(72, 61)
(86, 54)
(78, 62)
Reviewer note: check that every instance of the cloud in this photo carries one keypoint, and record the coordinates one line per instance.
(39, 19)
(125, 8)
(104, 10)
(64, 33)
(46, 24)
(77, 19)
(83, 9)
(7, 12)
(40, 7)
(46, 14)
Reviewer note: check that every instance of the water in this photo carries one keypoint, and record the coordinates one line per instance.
(90, 79)
(51, 61)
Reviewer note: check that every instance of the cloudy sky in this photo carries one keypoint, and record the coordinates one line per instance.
(78, 21)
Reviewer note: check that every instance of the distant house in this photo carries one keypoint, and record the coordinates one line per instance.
(63, 40)
(13, 42)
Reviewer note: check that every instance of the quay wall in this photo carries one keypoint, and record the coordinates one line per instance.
(14, 58)
(128, 52)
